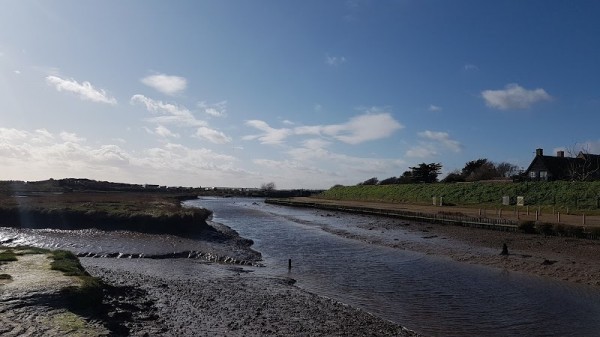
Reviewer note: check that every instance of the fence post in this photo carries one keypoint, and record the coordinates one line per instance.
(583, 219)
(527, 210)
(500, 213)
(558, 216)
(537, 216)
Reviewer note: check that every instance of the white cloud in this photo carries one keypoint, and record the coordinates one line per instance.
(216, 110)
(431, 143)
(71, 137)
(514, 96)
(172, 114)
(442, 138)
(359, 129)
(84, 90)
(270, 135)
(162, 131)
(169, 85)
(422, 151)
(335, 60)
(26, 157)
(212, 135)
(434, 108)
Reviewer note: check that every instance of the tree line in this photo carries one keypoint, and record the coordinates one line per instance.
(475, 170)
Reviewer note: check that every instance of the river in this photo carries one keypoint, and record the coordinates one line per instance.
(432, 295)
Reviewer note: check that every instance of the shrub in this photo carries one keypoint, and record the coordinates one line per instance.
(527, 226)
(546, 228)
(576, 231)
(560, 229)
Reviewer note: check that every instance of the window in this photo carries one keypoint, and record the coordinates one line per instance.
(533, 174)
(543, 175)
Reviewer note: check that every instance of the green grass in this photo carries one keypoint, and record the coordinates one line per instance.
(89, 293)
(67, 262)
(574, 195)
(8, 256)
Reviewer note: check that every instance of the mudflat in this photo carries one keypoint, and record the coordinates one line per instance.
(562, 258)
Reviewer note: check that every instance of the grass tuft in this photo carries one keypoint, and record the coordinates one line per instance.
(67, 262)
(8, 256)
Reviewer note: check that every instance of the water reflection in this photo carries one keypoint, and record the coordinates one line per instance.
(435, 296)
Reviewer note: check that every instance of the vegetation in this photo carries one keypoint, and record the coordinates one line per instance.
(67, 262)
(7, 256)
(89, 293)
(575, 195)
(422, 173)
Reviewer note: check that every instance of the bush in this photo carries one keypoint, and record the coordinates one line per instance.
(576, 231)
(546, 228)
(560, 229)
(527, 226)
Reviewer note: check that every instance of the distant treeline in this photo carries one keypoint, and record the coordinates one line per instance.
(88, 185)
(577, 195)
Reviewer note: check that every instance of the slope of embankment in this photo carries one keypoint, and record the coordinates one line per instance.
(560, 195)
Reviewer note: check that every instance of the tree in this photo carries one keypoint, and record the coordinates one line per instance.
(426, 173)
(390, 181)
(270, 186)
(506, 170)
(586, 166)
(453, 177)
(370, 181)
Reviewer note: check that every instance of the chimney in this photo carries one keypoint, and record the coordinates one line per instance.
(539, 152)
(560, 154)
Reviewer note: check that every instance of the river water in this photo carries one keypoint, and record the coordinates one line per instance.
(434, 296)
(431, 295)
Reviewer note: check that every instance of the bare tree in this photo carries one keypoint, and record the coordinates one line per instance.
(585, 165)
(270, 186)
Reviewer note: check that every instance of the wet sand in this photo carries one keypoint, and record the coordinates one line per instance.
(568, 259)
(220, 300)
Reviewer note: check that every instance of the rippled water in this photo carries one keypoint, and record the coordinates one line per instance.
(434, 296)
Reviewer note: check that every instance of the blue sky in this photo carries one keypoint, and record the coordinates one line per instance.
(305, 94)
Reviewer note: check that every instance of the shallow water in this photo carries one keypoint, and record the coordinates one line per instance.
(434, 296)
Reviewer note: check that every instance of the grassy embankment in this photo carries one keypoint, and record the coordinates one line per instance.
(566, 197)
(146, 212)
(87, 295)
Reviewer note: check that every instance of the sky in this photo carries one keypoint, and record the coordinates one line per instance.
(304, 94)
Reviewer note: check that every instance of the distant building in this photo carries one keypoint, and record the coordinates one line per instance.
(547, 168)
